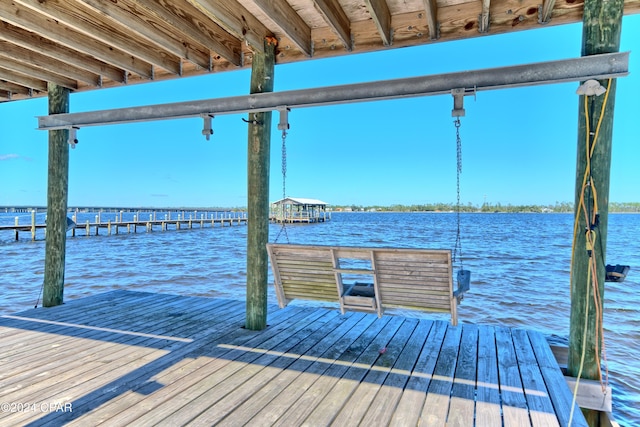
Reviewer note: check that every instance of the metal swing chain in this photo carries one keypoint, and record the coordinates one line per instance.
(284, 185)
(457, 249)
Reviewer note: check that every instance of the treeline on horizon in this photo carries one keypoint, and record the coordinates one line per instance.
(558, 207)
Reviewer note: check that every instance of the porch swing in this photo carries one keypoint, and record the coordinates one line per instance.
(371, 279)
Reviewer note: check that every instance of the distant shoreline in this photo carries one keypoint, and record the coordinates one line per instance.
(564, 207)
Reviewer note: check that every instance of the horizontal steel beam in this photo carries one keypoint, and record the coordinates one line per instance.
(602, 66)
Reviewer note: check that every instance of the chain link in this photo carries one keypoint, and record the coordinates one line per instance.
(457, 249)
(284, 164)
(283, 229)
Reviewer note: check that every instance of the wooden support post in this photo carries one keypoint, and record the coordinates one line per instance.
(57, 194)
(259, 141)
(602, 23)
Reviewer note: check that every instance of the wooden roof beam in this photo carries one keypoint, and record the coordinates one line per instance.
(36, 59)
(12, 88)
(288, 20)
(381, 15)
(11, 64)
(154, 30)
(30, 20)
(484, 20)
(336, 18)
(33, 42)
(236, 20)
(91, 24)
(544, 16)
(431, 13)
(22, 80)
(196, 25)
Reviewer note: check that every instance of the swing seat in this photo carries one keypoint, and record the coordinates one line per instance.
(616, 273)
(367, 279)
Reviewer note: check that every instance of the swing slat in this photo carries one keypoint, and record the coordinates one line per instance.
(419, 279)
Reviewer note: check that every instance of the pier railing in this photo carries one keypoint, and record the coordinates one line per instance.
(300, 217)
(116, 223)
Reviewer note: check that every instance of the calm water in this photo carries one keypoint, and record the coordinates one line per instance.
(520, 270)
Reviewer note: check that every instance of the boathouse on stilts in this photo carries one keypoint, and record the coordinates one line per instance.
(298, 210)
(56, 48)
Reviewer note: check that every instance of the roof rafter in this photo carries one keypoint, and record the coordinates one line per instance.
(11, 64)
(196, 25)
(85, 20)
(35, 60)
(22, 80)
(28, 19)
(236, 20)
(155, 31)
(382, 17)
(336, 18)
(288, 20)
(12, 88)
(63, 54)
(107, 43)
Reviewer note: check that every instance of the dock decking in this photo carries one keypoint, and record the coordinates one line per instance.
(131, 358)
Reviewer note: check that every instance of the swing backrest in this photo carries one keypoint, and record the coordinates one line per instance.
(419, 279)
(302, 273)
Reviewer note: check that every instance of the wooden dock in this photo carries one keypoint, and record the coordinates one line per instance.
(300, 218)
(131, 358)
(119, 226)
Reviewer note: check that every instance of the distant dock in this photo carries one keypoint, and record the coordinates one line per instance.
(88, 224)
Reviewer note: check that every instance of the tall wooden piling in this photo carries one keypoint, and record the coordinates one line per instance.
(259, 142)
(602, 23)
(57, 191)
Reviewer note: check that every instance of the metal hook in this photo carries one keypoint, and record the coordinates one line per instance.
(458, 102)
(254, 121)
(207, 130)
(284, 118)
(73, 138)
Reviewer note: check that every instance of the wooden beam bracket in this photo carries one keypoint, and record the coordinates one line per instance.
(545, 10)
(484, 23)
(484, 19)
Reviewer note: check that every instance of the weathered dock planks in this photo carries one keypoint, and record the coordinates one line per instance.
(132, 358)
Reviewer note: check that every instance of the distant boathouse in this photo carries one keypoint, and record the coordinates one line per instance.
(299, 210)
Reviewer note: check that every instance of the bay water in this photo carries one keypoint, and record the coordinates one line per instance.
(520, 266)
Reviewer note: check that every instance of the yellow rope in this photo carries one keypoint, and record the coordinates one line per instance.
(591, 236)
(588, 169)
(582, 356)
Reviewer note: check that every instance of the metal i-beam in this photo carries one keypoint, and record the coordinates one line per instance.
(601, 66)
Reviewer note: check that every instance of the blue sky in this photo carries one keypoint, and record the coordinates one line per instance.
(519, 145)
